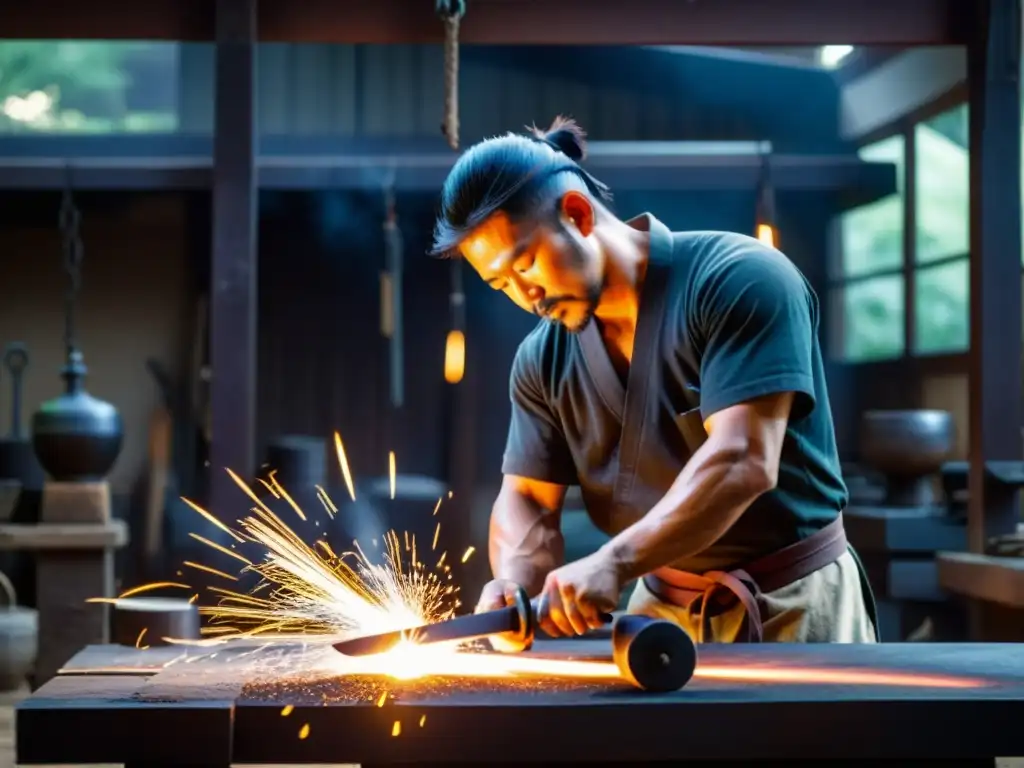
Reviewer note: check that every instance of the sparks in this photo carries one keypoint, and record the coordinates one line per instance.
(392, 472)
(208, 569)
(308, 591)
(149, 587)
(396, 729)
(346, 473)
(468, 553)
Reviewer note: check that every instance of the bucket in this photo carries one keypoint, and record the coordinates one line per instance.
(19, 638)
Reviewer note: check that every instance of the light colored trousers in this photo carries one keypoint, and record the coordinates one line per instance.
(828, 606)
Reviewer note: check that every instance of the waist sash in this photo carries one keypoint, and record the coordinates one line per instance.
(723, 589)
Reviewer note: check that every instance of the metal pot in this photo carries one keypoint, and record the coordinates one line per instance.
(76, 436)
(908, 447)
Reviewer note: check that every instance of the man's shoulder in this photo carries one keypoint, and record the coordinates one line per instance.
(716, 253)
(542, 352)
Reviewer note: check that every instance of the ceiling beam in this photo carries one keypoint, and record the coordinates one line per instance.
(523, 22)
(309, 163)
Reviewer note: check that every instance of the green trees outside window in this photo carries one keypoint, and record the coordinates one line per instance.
(870, 269)
(66, 86)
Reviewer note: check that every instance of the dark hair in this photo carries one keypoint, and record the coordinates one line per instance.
(514, 173)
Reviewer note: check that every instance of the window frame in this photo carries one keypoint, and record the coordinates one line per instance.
(905, 127)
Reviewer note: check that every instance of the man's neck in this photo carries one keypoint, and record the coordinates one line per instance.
(626, 251)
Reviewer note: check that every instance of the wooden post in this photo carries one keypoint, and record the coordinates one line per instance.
(995, 355)
(233, 290)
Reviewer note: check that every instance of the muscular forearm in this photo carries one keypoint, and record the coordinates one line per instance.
(717, 485)
(525, 542)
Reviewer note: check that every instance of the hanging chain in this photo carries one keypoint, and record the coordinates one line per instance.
(451, 13)
(71, 237)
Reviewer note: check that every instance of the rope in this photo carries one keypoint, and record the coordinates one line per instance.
(451, 13)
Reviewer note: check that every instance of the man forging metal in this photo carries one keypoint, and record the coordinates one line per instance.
(676, 377)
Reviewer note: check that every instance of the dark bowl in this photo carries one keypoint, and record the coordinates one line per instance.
(906, 443)
(77, 458)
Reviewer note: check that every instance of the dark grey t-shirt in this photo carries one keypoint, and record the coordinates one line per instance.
(722, 319)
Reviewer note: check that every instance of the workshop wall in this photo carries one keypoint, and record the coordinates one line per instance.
(616, 93)
(322, 361)
(133, 304)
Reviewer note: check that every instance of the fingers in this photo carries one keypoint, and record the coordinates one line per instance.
(508, 643)
(591, 615)
(551, 616)
(496, 594)
(558, 613)
(572, 609)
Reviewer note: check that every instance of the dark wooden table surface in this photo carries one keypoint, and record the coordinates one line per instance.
(283, 704)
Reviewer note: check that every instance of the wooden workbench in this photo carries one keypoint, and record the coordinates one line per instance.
(118, 705)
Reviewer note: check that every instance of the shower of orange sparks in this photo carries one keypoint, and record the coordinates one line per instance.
(317, 595)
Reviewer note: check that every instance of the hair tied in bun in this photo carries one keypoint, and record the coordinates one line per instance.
(565, 136)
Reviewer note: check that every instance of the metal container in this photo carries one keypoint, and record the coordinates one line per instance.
(76, 436)
(908, 448)
(19, 639)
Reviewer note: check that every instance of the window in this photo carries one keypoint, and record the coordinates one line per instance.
(942, 233)
(869, 264)
(66, 86)
(867, 276)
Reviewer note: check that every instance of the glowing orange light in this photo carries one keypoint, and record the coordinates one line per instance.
(825, 676)
(454, 357)
(766, 234)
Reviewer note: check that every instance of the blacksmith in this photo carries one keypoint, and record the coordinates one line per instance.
(676, 377)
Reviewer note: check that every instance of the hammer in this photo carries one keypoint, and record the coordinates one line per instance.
(652, 654)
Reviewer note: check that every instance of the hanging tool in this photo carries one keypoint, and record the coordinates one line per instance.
(16, 361)
(391, 297)
(451, 13)
(17, 459)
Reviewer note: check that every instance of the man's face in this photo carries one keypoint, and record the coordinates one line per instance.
(555, 272)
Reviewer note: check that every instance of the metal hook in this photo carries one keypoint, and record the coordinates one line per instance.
(448, 9)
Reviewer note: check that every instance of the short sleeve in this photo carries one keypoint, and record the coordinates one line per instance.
(536, 447)
(757, 318)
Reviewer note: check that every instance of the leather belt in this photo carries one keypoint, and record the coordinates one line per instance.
(724, 589)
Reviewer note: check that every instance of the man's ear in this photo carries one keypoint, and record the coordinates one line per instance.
(577, 208)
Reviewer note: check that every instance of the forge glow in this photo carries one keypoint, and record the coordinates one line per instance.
(311, 595)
